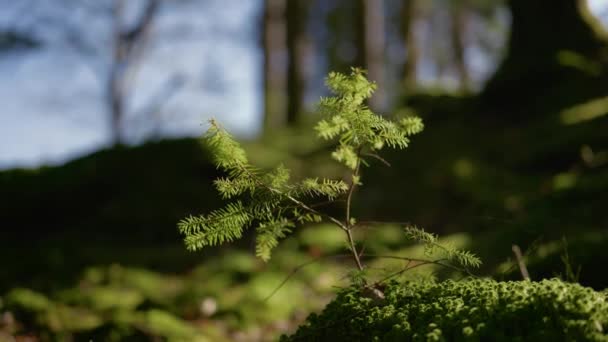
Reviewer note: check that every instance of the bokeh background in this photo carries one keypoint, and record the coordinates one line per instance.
(102, 103)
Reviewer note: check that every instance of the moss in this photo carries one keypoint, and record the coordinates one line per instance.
(31, 300)
(35, 310)
(164, 324)
(473, 310)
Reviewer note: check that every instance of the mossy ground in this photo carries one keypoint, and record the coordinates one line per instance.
(472, 310)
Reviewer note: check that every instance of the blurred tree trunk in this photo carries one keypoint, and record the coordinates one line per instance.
(345, 35)
(373, 46)
(273, 44)
(439, 41)
(297, 51)
(409, 14)
(128, 44)
(358, 26)
(556, 50)
(459, 18)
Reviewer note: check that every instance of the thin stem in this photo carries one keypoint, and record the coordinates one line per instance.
(351, 242)
(375, 156)
(329, 217)
(405, 269)
(439, 262)
(349, 225)
(351, 189)
(520, 262)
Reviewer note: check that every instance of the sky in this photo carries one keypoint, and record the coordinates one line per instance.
(51, 98)
(599, 8)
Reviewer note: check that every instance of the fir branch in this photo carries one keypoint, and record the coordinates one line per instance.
(325, 187)
(269, 234)
(411, 125)
(222, 225)
(452, 254)
(227, 153)
(278, 179)
(232, 187)
(346, 155)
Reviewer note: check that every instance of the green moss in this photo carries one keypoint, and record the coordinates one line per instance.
(28, 299)
(474, 310)
(108, 298)
(36, 310)
(164, 324)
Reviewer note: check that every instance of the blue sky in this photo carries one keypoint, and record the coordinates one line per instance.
(51, 97)
(51, 107)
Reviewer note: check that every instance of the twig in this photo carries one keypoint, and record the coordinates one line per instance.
(436, 262)
(298, 268)
(349, 226)
(353, 249)
(403, 270)
(420, 262)
(306, 207)
(375, 156)
(351, 188)
(520, 262)
(531, 249)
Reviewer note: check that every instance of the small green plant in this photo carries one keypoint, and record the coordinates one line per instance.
(274, 205)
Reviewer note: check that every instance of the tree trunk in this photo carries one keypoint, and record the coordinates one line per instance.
(409, 14)
(458, 14)
(439, 44)
(345, 35)
(373, 49)
(273, 44)
(115, 100)
(297, 51)
(553, 50)
(128, 46)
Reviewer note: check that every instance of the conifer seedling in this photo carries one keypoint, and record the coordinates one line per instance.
(274, 205)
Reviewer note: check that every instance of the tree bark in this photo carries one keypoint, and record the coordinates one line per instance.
(297, 51)
(127, 48)
(345, 45)
(273, 45)
(373, 49)
(409, 14)
(458, 14)
(542, 37)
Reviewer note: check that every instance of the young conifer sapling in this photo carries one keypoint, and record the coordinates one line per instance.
(274, 204)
